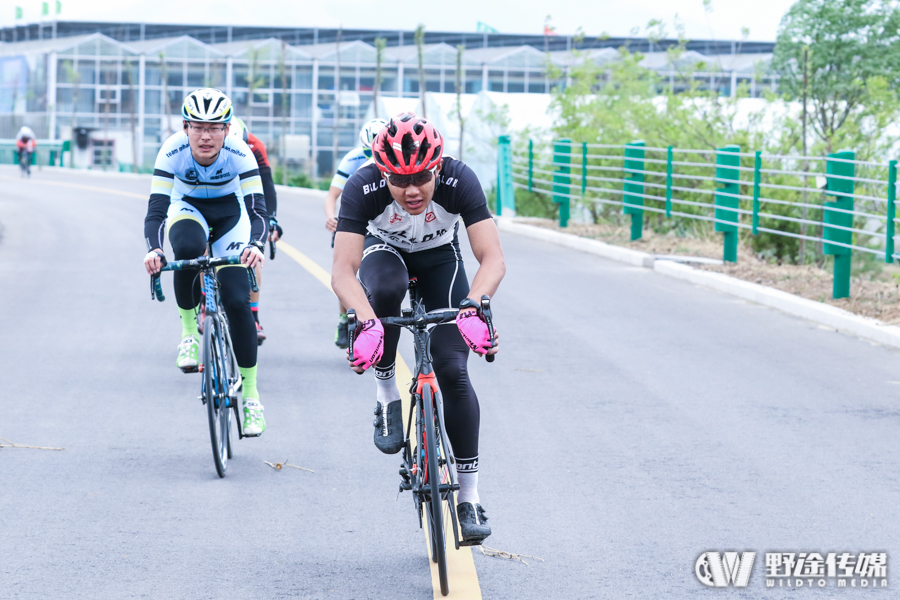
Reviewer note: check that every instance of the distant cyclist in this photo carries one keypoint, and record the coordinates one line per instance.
(352, 161)
(239, 129)
(26, 142)
(399, 219)
(206, 188)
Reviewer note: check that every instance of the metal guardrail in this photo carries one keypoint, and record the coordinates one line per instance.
(832, 199)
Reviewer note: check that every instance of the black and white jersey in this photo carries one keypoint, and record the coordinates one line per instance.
(367, 206)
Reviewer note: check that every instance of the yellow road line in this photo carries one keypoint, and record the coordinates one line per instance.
(90, 188)
(460, 565)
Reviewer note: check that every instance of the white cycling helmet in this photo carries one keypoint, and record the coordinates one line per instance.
(239, 129)
(369, 131)
(207, 105)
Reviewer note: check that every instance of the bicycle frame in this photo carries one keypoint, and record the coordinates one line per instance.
(207, 267)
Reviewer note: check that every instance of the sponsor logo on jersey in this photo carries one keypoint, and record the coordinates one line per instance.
(429, 217)
(187, 209)
(395, 219)
(220, 175)
(235, 151)
(176, 150)
(371, 187)
(451, 181)
(192, 175)
(234, 246)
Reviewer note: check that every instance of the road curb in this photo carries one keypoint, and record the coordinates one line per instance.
(625, 255)
(817, 312)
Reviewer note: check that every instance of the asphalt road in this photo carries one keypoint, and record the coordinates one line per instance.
(630, 423)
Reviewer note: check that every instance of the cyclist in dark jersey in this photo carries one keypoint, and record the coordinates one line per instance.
(239, 129)
(399, 219)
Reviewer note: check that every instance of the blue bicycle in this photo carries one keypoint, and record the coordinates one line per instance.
(221, 380)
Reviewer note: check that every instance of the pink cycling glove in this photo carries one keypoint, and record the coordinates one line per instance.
(368, 343)
(474, 331)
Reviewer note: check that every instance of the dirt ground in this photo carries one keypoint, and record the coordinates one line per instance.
(874, 293)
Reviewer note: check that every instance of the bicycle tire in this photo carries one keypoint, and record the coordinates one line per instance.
(215, 373)
(435, 503)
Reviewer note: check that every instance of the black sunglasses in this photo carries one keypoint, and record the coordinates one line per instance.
(416, 179)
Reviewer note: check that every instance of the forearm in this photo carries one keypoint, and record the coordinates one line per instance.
(331, 202)
(259, 220)
(350, 293)
(487, 279)
(265, 174)
(154, 222)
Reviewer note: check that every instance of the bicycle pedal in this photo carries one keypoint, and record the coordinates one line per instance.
(187, 370)
(405, 486)
(470, 542)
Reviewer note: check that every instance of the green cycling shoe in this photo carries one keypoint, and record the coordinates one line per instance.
(254, 420)
(188, 354)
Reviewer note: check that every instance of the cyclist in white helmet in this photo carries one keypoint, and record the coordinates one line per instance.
(206, 189)
(352, 161)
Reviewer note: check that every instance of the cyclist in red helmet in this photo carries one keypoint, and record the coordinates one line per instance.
(399, 219)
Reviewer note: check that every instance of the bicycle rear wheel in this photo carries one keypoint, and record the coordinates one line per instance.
(215, 371)
(434, 506)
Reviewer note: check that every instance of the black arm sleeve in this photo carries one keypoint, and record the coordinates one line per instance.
(265, 173)
(155, 221)
(259, 220)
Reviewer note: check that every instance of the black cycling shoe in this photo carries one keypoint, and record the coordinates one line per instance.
(472, 524)
(389, 428)
(342, 336)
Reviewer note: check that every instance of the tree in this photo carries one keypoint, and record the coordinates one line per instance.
(460, 78)
(420, 44)
(282, 72)
(853, 64)
(380, 44)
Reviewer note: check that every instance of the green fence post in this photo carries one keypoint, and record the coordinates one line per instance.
(66, 147)
(530, 163)
(839, 188)
(634, 184)
(561, 176)
(669, 182)
(583, 167)
(757, 166)
(891, 211)
(726, 220)
(506, 199)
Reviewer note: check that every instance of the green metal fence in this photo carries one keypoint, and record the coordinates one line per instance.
(52, 153)
(842, 204)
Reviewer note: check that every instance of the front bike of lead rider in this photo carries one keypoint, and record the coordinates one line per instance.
(429, 465)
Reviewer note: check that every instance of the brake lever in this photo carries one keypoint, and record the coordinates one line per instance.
(488, 319)
(351, 330)
(156, 292)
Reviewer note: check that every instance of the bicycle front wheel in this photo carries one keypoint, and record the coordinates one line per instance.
(215, 371)
(434, 505)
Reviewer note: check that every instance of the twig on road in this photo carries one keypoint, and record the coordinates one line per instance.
(281, 465)
(488, 551)
(10, 444)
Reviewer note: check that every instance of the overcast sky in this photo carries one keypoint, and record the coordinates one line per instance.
(723, 21)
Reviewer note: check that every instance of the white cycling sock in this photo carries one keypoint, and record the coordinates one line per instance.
(386, 387)
(468, 487)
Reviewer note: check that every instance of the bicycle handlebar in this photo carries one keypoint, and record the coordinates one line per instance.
(203, 262)
(430, 318)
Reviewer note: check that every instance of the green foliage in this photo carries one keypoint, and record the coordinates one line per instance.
(851, 49)
(300, 179)
(854, 69)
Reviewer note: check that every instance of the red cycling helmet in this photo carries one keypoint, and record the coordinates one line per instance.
(408, 144)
